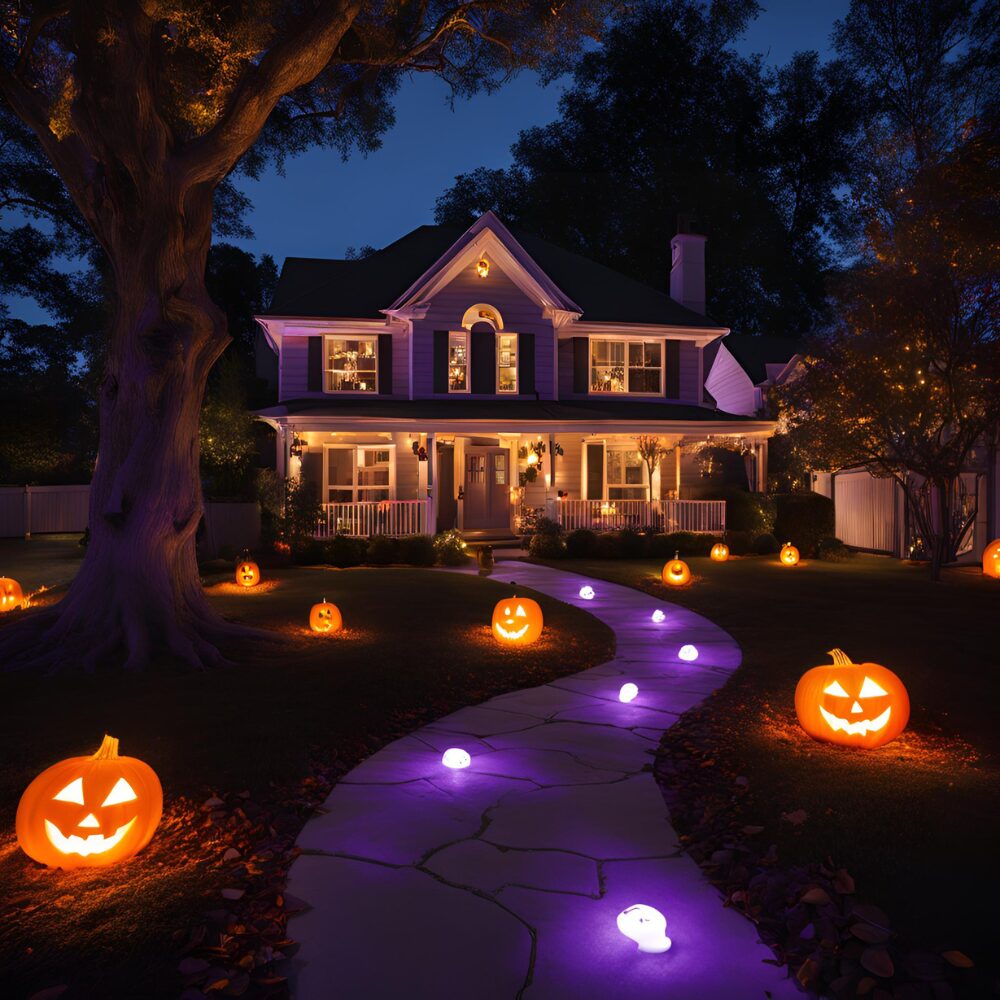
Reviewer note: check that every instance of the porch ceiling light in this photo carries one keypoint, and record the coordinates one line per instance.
(482, 267)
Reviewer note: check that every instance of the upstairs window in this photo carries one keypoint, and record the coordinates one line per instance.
(506, 362)
(626, 366)
(458, 362)
(351, 364)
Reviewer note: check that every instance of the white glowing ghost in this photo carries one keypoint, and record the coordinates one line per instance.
(659, 616)
(587, 593)
(456, 757)
(646, 926)
(628, 692)
(688, 652)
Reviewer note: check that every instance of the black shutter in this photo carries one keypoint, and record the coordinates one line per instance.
(440, 360)
(672, 360)
(581, 364)
(484, 359)
(526, 362)
(385, 364)
(314, 373)
(312, 469)
(595, 471)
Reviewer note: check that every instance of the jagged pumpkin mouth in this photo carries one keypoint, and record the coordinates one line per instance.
(505, 633)
(859, 728)
(95, 843)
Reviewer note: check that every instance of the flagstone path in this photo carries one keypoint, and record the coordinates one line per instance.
(504, 880)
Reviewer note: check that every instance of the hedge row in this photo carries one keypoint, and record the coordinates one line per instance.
(446, 549)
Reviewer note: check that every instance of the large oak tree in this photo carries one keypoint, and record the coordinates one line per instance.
(143, 109)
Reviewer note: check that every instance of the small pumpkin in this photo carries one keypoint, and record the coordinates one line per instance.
(11, 595)
(325, 617)
(86, 812)
(991, 560)
(720, 552)
(247, 573)
(789, 555)
(676, 573)
(517, 621)
(852, 704)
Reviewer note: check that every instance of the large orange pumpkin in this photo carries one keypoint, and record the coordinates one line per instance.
(86, 812)
(517, 620)
(676, 573)
(991, 560)
(324, 617)
(720, 552)
(853, 704)
(247, 573)
(11, 595)
(789, 555)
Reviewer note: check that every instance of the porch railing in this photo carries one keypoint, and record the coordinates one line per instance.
(381, 517)
(699, 516)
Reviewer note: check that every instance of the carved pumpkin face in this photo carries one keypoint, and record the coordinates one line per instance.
(11, 595)
(325, 617)
(853, 704)
(789, 555)
(991, 560)
(517, 620)
(676, 573)
(720, 552)
(86, 812)
(247, 573)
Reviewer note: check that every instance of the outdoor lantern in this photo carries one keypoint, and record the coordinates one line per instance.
(789, 554)
(646, 926)
(324, 617)
(456, 758)
(517, 620)
(688, 652)
(853, 704)
(532, 458)
(482, 267)
(11, 595)
(629, 692)
(720, 552)
(89, 811)
(247, 573)
(587, 592)
(658, 616)
(676, 572)
(991, 562)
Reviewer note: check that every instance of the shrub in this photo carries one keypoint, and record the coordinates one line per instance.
(687, 543)
(803, 519)
(832, 549)
(608, 546)
(547, 546)
(765, 544)
(546, 526)
(581, 544)
(739, 542)
(750, 512)
(343, 551)
(417, 550)
(631, 544)
(309, 553)
(449, 548)
(382, 551)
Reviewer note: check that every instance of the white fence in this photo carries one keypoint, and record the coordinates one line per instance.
(699, 516)
(382, 517)
(36, 510)
(868, 512)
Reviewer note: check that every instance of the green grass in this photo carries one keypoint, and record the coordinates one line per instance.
(916, 822)
(416, 645)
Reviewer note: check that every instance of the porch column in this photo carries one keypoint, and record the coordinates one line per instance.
(761, 484)
(281, 454)
(552, 461)
(677, 470)
(429, 471)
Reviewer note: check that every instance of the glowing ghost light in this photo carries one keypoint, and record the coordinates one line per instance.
(587, 593)
(456, 758)
(646, 926)
(628, 692)
(688, 653)
(659, 616)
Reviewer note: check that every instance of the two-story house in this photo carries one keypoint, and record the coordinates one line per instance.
(455, 379)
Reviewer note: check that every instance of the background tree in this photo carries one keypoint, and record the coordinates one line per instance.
(143, 109)
(652, 451)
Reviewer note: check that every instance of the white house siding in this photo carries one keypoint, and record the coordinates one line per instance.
(730, 386)
(293, 369)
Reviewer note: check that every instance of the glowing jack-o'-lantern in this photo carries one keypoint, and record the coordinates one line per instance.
(720, 552)
(517, 620)
(11, 595)
(89, 811)
(854, 704)
(247, 573)
(789, 555)
(676, 572)
(324, 617)
(991, 560)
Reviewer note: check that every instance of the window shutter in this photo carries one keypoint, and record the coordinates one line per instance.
(484, 359)
(672, 375)
(526, 363)
(312, 469)
(595, 471)
(440, 360)
(581, 364)
(314, 373)
(385, 364)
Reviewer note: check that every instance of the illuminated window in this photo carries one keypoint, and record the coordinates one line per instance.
(458, 362)
(351, 364)
(373, 473)
(626, 366)
(358, 474)
(626, 475)
(507, 362)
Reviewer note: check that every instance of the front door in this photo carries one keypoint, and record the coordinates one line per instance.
(486, 488)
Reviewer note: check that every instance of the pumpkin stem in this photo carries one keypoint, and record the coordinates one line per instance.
(840, 658)
(108, 750)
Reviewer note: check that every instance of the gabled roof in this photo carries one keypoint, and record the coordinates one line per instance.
(363, 289)
(755, 353)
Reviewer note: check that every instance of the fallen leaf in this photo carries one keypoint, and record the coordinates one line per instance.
(877, 962)
(865, 986)
(191, 966)
(816, 896)
(231, 854)
(807, 972)
(796, 818)
(870, 934)
(233, 893)
(957, 959)
(750, 830)
(843, 882)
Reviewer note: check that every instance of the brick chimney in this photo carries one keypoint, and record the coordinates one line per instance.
(687, 268)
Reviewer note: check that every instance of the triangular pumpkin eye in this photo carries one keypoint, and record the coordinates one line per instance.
(835, 688)
(73, 792)
(521, 613)
(122, 792)
(870, 689)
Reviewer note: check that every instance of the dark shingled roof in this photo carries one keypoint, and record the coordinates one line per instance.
(358, 289)
(754, 352)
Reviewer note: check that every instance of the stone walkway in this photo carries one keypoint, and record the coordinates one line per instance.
(504, 880)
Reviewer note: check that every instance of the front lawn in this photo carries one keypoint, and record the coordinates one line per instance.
(914, 823)
(244, 756)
